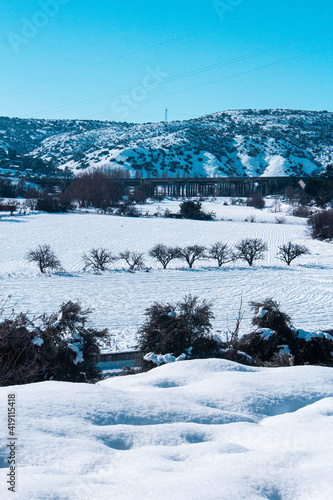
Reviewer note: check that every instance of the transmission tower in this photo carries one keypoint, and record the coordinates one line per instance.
(166, 116)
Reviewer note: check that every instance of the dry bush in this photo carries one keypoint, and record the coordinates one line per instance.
(321, 225)
(134, 260)
(256, 201)
(98, 259)
(178, 328)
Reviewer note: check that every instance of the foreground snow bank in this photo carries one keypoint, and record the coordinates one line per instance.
(189, 430)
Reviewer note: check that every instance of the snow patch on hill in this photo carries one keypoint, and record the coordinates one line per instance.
(276, 166)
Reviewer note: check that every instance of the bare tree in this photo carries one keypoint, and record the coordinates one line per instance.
(164, 254)
(44, 257)
(134, 260)
(98, 259)
(251, 250)
(233, 335)
(191, 254)
(290, 251)
(221, 253)
(277, 205)
(99, 188)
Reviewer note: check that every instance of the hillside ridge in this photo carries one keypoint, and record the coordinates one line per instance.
(231, 143)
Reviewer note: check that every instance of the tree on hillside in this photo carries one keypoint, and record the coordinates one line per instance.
(251, 250)
(45, 258)
(98, 259)
(320, 187)
(191, 254)
(164, 254)
(134, 260)
(290, 251)
(221, 253)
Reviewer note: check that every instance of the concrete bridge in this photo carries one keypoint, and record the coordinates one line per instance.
(195, 186)
(212, 186)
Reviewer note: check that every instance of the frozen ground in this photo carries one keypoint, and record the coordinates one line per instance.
(193, 430)
(119, 298)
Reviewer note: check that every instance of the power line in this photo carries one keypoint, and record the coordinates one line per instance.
(231, 76)
(220, 79)
(135, 52)
(180, 76)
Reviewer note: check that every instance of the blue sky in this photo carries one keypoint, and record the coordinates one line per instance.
(128, 61)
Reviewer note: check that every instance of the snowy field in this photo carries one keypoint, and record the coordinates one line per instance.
(119, 298)
(193, 430)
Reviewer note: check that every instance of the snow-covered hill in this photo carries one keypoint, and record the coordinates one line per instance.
(240, 143)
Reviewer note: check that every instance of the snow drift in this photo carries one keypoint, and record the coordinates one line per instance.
(189, 430)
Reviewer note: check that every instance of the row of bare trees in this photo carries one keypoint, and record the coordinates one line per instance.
(99, 259)
(249, 250)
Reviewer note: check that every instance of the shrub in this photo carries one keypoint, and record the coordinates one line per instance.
(178, 328)
(18, 362)
(269, 315)
(302, 211)
(58, 347)
(280, 220)
(321, 225)
(84, 340)
(250, 218)
(7, 189)
(317, 351)
(98, 259)
(45, 258)
(290, 251)
(191, 253)
(277, 343)
(251, 250)
(139, 196)
(221, 253)
(237, 201)
(274, 330)
(164, 254)
(53, 205)
(193, 210)
(134, 260)
(128, 209)
(320, 188)
(256, 201)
